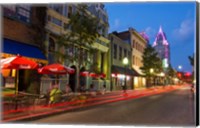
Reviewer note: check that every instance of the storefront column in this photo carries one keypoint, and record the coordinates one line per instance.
(46, 42)
(99, 60)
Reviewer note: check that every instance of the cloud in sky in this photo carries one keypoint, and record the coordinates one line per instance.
(185, 31)
(116, 23)
(118, 26)
(150, 32)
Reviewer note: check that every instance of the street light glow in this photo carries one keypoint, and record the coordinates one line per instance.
(151, 70)
(120, 76)
(162, 74)
(113, 75)
(179, 67)
(175, 79)
(125, 61)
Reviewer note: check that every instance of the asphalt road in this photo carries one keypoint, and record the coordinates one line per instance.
(168, 109)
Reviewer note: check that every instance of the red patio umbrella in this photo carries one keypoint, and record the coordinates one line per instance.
(84, 73)
(102, 75)
(18, 62)
(90, 74)
(94, 75)
(57, 69)
(70, 70)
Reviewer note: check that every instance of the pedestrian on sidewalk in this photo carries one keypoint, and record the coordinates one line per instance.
(103, 89)
(82, 88)
(47, 95)
(66, 95)
(55, 95)
(92, 90)
(124, 88)
(68, 89)
(192, 89)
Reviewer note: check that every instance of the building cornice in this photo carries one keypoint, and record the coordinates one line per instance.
(139, 36)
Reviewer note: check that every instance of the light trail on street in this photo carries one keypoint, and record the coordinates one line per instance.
(174, 108)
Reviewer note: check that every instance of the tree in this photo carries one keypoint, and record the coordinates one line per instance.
(191, 59)
(150, 61)
(171, 73)
(83, 32)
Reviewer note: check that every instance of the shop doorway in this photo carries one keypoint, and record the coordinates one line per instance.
(23, 80)
(82, 78)
(72, 79)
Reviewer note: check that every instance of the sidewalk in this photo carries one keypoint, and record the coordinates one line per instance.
(40, 111)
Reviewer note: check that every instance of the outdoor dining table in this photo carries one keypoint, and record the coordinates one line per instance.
(12, 102)
(23, 100)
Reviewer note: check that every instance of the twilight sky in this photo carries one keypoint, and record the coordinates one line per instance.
(178, 21)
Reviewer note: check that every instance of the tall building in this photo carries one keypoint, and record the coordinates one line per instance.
(58, 16)
(119, 50)
(162, 47)
(145, 36)
(21, 36)
(38, 29)
(138, 44)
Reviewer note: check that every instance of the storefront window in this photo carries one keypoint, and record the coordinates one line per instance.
(51, 45)
(57, 8)
(51, 58)
(20, 12)
(125, 53)
(129, 54)
(8, 78)
(51, 50)
(120, 53)
(67, 26)
(115, 51)
(10, 11)
(69, 11)
(24, 14)
(56, 21)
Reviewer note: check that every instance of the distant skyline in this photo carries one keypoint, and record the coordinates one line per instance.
(178, 21)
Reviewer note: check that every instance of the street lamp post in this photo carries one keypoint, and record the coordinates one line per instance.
(162, 76)
(125, 62)
(180, 70)
(151, 72)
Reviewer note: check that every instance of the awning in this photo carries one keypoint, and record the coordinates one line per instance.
(121, 70)
(13, 48)
(139, 71)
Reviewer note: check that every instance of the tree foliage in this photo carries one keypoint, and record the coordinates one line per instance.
(191, 59)
(150, 60)
(82, 33)
(170, 71)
